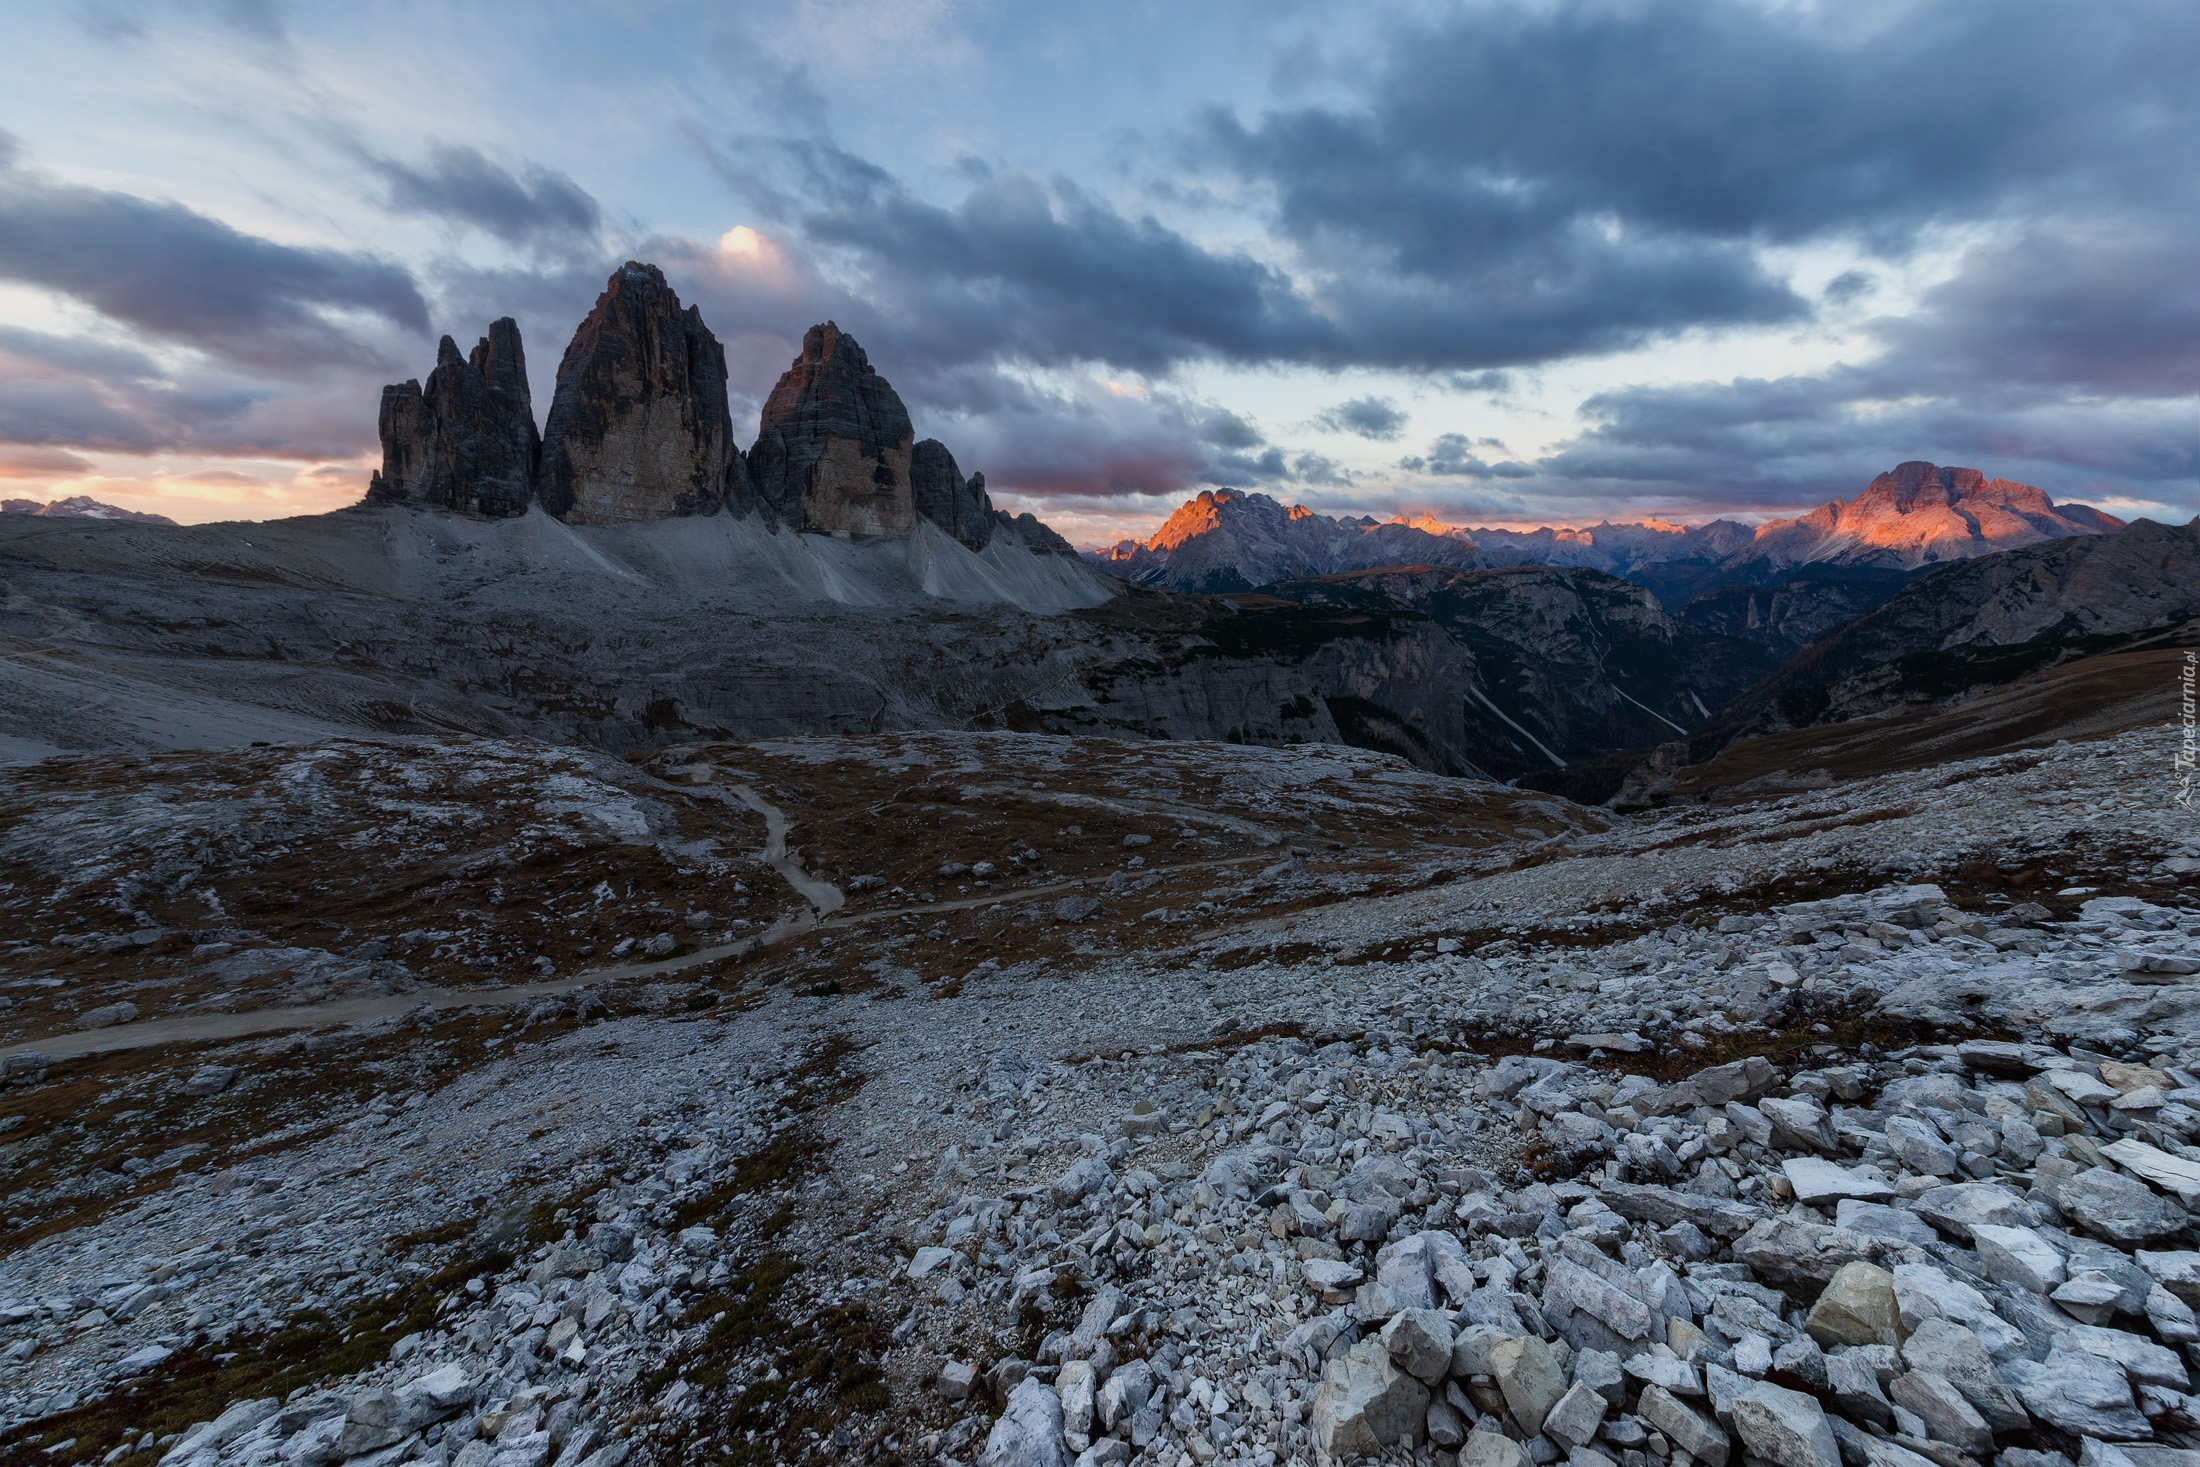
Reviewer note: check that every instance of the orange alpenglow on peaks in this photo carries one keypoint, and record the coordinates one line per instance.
(1920, 513)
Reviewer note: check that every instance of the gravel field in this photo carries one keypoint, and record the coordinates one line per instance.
(1092, 1102)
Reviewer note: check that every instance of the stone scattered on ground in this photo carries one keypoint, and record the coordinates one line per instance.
(1899, 1173)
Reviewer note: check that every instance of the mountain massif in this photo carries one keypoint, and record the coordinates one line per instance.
(81, 507)
(1915, 516)
(630, 576)
(639, 430)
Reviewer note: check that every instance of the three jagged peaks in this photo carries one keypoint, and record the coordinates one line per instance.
(639, 429)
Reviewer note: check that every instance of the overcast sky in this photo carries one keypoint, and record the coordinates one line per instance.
(1503, 263)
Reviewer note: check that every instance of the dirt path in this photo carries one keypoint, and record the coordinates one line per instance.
(201, 1028)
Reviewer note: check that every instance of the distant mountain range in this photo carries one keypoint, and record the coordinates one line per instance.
(81, 507)
(628, 576)
(1915, 516)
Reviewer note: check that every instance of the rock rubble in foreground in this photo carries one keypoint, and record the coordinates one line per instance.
(1892, 1175)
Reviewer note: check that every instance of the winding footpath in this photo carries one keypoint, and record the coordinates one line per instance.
(823, 900)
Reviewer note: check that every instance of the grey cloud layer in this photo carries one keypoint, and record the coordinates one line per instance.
(1374, 418)
(538, 206)
(1496, 188)
(178, 275)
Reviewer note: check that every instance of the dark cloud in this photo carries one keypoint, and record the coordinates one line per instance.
(59, 392)
(2110, 307)
(1452, 456)
(179, 275)
(1808, 438)
(1527, 183)
(1315, 468)
(1375, 418)
(1496, 129)
(1509, 186)
(39, 463)
(1849, 285)
(537, 206)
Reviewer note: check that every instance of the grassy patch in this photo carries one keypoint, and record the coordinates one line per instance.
(827, 1364)
(204, 1377)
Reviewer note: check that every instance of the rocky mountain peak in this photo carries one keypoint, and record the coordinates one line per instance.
(81, 507)
(834, 444)
(639, 430)
(1920, 513)
(467, 440)
(1902, 487)
(942, 495)
(638, 427)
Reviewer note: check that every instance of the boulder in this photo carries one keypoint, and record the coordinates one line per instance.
(375, 1420)
(1367, 1403)
(1857, 1307)
(1684, 1426)
(1741, 1080)
(1086, 1175)
(1947, 1350)
(1489, 1449)
(638, 426)
(2144, 1361)
(2116, 1209)
(2019, 1256)
(1948, 1417)
(1420, 1341)
(1852, 1388)
(1667, 1207)
(1124, 1395)
(1529, 1376)
(1576, 1417)
(2178, 1272)
(1919, 1147)
(1961, 1208)
(1896, 1224)
(1569, 1288)
(1784, 1427)
(1446, 1427)
(1817, 1182)
(1788, 1252)
(438, 1392)
(1074, 1384)
(1798, 1121)
(1029, 1431)
(1924, 1292)
(1403, 1269)
(2079, 1392)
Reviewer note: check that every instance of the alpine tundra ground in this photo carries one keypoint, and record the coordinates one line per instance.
(997, 1097)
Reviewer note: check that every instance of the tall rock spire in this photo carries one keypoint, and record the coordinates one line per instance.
(833, 449)
(467, 441)
(941, 494)
(638, 428)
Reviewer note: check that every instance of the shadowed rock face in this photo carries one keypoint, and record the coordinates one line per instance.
(834, 447)
(941, 495)
(639, 429)
(467, 441)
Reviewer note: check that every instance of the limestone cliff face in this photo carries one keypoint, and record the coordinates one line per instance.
(467, 441)
(834, 446)
(638, 428)
(941, 494)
